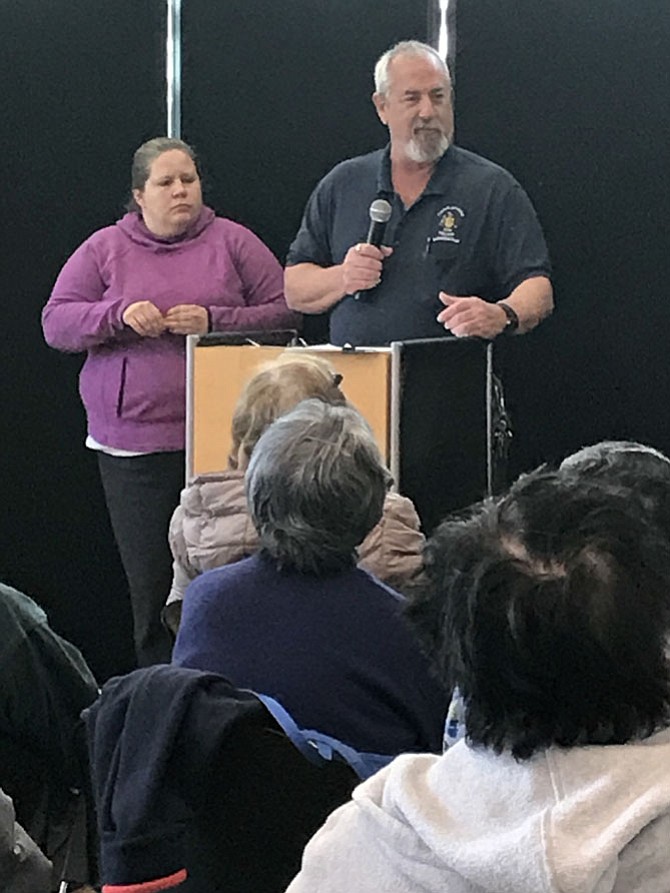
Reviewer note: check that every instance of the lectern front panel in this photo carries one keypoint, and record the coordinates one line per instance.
(217, 374)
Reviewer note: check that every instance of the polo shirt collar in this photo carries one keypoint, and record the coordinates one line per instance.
(435, 185)
(384, 182)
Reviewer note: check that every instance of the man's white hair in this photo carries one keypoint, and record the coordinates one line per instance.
(404, 48)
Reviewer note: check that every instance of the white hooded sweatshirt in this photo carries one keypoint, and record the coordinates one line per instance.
(586, 820)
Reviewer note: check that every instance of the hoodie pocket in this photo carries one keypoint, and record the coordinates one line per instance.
(121, 387)
(100, 384)
(151, 387)
(141, 385)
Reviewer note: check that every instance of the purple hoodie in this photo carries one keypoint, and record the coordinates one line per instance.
(133, 388)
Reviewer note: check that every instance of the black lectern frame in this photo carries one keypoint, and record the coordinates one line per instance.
(443, 424)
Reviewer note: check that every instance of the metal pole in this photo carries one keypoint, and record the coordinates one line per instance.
(173, 68)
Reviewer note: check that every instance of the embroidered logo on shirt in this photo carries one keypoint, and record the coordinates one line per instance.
(449, 221)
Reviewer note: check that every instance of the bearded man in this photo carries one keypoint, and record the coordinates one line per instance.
(463, 252)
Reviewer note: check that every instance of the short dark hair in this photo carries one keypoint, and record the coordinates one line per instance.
(641, 471)
(550, 609)
(145, 156)
(316, 485)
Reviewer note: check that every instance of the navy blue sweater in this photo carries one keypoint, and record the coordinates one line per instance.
(335, 651)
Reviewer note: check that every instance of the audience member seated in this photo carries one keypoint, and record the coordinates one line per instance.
(550, 609)
(639, 470)
(23, 867)
(45, 686)
(299, 621)
(211, 526)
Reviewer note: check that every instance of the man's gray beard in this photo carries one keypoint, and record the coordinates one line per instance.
(427, 151)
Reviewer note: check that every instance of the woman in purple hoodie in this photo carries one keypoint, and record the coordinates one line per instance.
(128, 296)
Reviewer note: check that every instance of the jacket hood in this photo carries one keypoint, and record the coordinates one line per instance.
(586, 820)
(133, 226)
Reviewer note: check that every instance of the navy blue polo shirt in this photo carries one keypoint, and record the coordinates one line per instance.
(473, 231)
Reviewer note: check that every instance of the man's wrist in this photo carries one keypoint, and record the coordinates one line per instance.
(511, 319)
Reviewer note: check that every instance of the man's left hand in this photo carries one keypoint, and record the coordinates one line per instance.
(471, 317)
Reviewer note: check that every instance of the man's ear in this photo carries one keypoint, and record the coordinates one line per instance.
(380, 105)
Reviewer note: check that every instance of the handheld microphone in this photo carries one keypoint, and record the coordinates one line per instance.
(380, 214)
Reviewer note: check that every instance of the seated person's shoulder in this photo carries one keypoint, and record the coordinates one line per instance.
(28, 642)
(389, 600)
(19, 610)
(214, 494)
(229, 579)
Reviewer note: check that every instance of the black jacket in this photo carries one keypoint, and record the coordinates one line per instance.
(195, 784)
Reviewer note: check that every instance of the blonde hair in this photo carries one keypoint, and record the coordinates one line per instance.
(275, 389)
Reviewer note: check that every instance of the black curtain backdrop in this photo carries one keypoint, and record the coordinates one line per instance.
(82, 84)
(274, 94)
(574, 99)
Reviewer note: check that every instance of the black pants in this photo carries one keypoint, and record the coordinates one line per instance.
(141, 493)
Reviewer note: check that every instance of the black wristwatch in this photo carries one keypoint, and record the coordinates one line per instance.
(512, 323)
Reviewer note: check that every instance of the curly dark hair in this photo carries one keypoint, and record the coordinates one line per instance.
(550, 609)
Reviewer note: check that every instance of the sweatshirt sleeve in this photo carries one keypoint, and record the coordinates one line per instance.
(77, 316)
(263, 283)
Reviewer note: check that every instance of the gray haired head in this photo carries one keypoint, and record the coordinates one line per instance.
(145, 156)
(404, 48)
(608, 454)
(634, 469)
(316, 485)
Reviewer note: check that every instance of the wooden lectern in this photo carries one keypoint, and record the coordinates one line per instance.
(430, 403)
